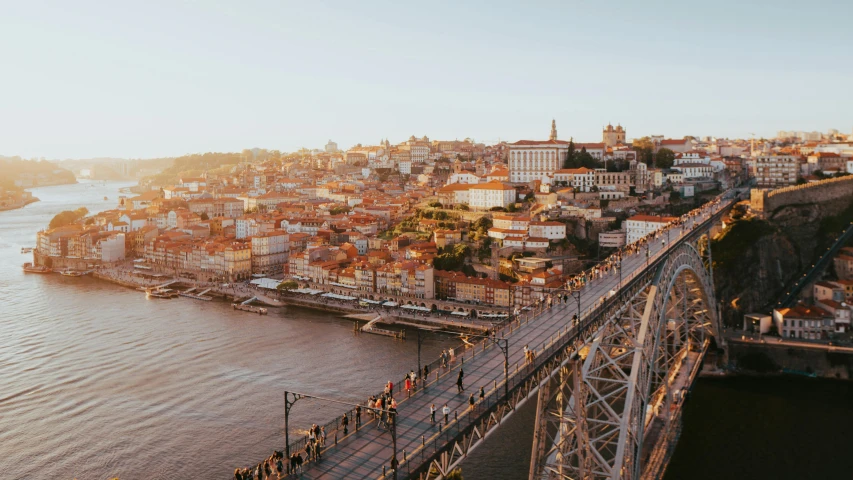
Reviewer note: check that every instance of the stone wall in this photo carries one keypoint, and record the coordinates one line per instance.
(767, 201)
(772, 357)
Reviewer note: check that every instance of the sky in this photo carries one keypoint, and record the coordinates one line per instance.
(88, 79)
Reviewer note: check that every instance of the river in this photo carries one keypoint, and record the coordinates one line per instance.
(97, 381)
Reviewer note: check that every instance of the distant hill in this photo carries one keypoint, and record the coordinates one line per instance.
(19, 173)
(212, 162)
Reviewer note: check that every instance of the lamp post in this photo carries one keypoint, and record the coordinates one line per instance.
(288, 405)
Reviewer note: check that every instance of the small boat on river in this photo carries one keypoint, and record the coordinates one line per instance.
(30, 268)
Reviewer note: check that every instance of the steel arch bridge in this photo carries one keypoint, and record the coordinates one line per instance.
(604, 412)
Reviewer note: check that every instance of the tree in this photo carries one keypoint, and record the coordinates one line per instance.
(455, 474)
(204, 216)
(570, 156)
(645, 149)
(68, 217)
(497, 209)
(511, 208)
(287, 286)
(664, 158)
(435, 204)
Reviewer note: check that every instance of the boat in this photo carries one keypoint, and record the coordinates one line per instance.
(162, 293)
(105, 198)
(249, 308)
(74, 273)
(30, 268)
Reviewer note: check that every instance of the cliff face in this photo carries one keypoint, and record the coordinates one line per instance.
(756, 260)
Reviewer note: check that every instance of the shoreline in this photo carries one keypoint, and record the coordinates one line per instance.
(278, 300)
(16, 207)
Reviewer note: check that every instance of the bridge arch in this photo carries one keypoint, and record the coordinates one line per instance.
(648, 336)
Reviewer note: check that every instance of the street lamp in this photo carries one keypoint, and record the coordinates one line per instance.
(288, 405)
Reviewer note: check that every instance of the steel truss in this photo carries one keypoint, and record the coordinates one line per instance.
(597, 404)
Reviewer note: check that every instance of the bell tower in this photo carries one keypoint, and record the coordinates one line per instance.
(553, 129)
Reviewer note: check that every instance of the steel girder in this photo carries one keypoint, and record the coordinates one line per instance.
(591, 421)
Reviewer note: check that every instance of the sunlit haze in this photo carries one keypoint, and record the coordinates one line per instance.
(148, 79)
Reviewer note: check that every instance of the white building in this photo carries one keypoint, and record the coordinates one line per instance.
(581, 179)
(492, 194)
(112, 248)
(639, 226)
(613, 239)
(536, 159)
(549, 230)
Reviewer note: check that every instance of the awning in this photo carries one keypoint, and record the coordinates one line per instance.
(390, 304)
(461, 314)
(370, 301)
(416, 307)
(268, 283)
(337, 297)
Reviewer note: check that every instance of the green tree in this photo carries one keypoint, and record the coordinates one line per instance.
(664, 158)
(435, 204)
(68, 217)
(569, 162)
(287, 286)
(511, 208)
(204, 216)
(645, 149)
(455, 474)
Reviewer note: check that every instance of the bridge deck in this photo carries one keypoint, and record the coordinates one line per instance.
(363, 453)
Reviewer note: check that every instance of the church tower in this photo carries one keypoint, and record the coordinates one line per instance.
(553, 129)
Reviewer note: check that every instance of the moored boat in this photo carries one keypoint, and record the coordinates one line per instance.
(30, 268)
(74, 273)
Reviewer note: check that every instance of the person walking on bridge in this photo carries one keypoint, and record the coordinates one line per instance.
(432, 413)
(459, 387)
(446, 411)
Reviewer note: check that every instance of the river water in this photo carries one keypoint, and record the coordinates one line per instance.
(97, 381)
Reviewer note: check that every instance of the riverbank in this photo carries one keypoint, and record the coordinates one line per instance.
(19, 205)
(123, 275)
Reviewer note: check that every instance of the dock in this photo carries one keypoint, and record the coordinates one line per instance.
(197, 296)
(370, 327)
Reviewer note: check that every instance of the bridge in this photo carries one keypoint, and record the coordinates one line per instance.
(613, 360)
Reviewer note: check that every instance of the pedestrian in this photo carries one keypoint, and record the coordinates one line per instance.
(426, 374)
(293, 462)
(471, 401)
(446, 411)
(345, 423)
(482, 394)
(357, 416)
(408, 386)
(459, 387)
(299, 462)
(451, 353)
(323, 435)
(432, 413)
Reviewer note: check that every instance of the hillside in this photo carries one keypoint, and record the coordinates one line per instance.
(19, 173)
(756, 260)
(196, 164)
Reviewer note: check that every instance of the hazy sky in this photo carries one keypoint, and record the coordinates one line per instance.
(145, 79)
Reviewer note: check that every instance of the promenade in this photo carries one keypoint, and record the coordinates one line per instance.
(367, 452)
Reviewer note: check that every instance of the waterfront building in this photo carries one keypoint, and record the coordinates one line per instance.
(801, 321)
